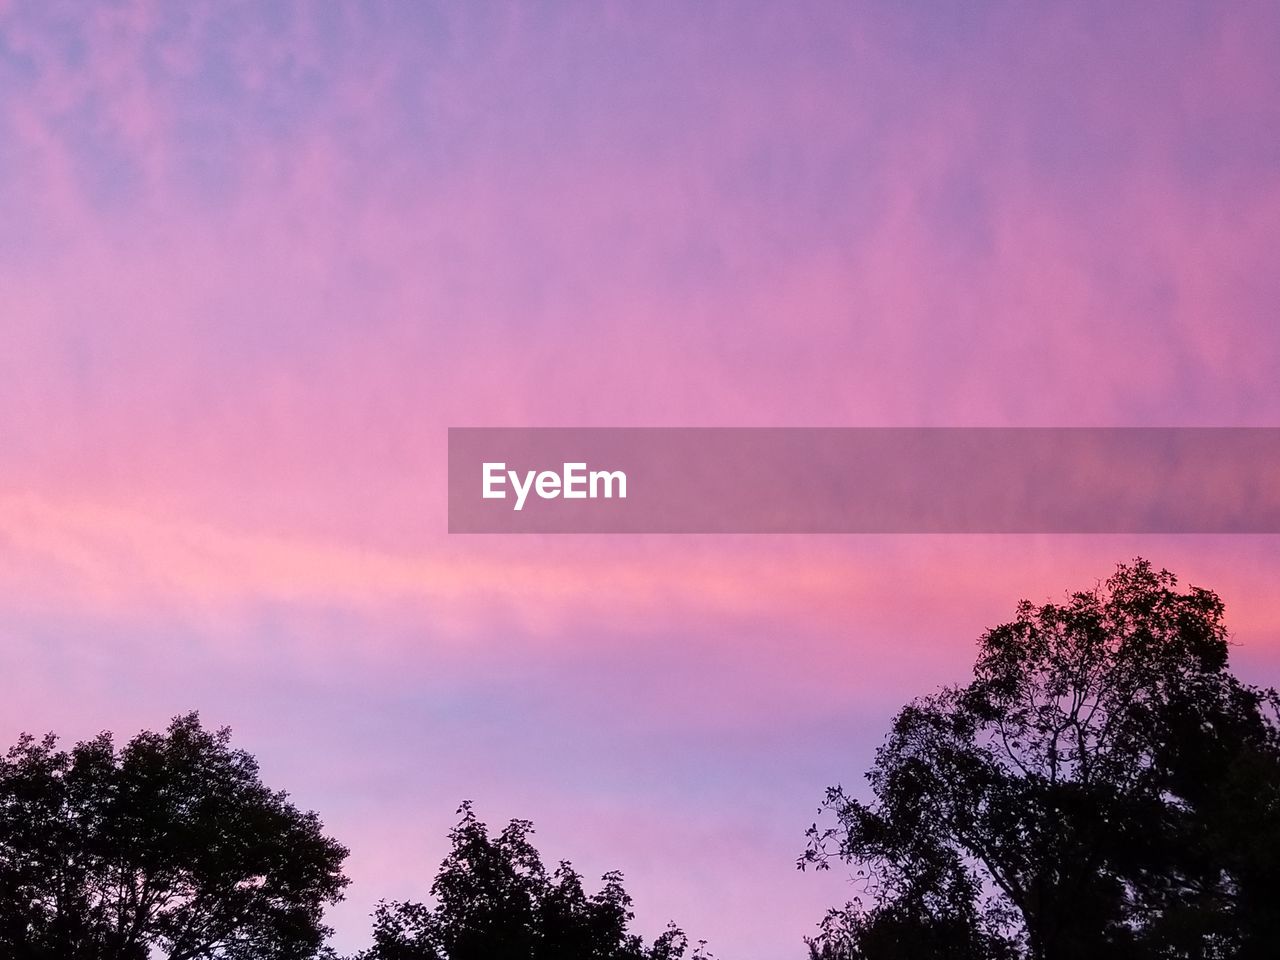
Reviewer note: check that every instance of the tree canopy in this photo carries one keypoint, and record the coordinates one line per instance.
(495, 900)
(1103, 787)
(170, 844)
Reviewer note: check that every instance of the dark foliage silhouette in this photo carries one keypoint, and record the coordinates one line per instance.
(169, 846)
(494, 900)
(1104, 787)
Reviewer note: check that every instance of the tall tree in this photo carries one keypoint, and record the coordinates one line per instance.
(1103, 787)
(494, 900)
(171, 845)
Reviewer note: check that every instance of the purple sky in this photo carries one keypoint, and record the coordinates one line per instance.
(255, 258)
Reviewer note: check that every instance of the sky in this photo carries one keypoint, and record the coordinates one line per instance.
(256, 258)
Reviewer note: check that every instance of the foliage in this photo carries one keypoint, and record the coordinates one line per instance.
(171, 844)
(1104, 787)
(494, 900)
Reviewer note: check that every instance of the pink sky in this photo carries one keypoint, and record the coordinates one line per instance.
(255, 259)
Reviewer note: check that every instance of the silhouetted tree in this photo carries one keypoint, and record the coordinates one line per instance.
(169, 846)
(1104, 787)
(494, 900)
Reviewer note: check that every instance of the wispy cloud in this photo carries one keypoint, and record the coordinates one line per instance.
(254, 259)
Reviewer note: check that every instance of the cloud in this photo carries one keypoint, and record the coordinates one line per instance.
(255, 259)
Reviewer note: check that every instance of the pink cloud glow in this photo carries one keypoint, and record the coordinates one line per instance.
(255, 260)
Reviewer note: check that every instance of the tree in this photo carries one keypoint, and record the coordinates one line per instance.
(496, 901)
(169, 845)
(1103, 787)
